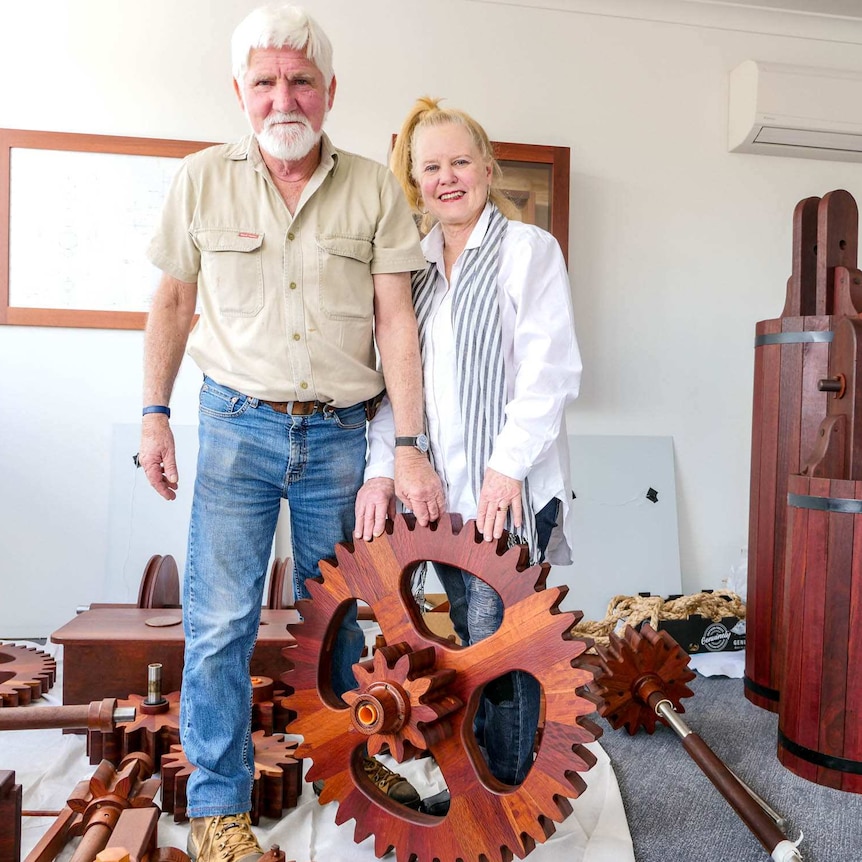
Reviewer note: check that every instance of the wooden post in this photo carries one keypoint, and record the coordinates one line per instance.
(10, 817)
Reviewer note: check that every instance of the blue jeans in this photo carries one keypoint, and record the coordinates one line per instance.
(508, 714)
(251, 457)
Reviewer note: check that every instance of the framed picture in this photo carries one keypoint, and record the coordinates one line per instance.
(536, 180)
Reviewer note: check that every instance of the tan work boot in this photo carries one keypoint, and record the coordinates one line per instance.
(224, 838)
(395, 786)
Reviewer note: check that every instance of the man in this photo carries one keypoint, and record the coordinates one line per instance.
(297, 255)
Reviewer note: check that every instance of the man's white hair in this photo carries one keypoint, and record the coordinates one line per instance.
(281, 26)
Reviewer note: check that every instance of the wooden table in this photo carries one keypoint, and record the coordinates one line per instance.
(106, 650)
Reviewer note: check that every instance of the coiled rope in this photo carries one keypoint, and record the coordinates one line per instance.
(633, 610)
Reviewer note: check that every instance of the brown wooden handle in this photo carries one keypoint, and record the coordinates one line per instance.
(727, 784)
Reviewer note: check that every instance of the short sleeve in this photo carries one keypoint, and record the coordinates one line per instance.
(172, 249)
(396, 243)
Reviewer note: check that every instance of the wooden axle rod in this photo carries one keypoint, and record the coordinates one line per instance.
(761, 819)
(99, 715)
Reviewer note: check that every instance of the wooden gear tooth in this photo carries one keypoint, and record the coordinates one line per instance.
(486, 820)
(176, 770)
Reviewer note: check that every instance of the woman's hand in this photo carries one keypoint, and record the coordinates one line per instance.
(374, 503)
(499, 494)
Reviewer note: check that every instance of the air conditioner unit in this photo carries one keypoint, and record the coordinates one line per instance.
(782, 110)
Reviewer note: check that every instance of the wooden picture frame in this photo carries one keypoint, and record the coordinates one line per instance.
(536, 179)
(128, 162)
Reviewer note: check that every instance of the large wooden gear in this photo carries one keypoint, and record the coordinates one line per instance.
(26, 673)
(420, 693)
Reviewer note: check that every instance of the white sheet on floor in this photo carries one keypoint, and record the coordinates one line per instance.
(730, 664)
(48, 764)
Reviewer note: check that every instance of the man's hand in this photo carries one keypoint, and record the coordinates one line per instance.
(158, 456)
(418, 486)
(498, 494)
(375, 502)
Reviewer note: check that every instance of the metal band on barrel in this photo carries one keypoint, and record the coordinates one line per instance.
(762, 690)
(793, 337)
(829, 761)
(825, 504)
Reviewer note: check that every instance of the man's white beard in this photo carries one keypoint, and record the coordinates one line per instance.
(290, 142)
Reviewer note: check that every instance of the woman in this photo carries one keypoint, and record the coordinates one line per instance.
(500, 364)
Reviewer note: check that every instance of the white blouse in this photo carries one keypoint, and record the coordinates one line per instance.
(543, 372)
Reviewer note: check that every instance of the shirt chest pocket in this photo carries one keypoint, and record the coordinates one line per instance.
(346, 285)
(232, 269)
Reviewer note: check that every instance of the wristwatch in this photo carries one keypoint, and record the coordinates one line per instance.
(420, 442)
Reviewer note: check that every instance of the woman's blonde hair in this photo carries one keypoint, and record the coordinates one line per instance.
(427, 113)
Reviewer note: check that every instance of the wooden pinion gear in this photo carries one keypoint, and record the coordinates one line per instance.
(155, 724)
(153, 731)
(644, 676)
(111, 801)
(155, 728)
(276, 786)
(637, 665)
(420, 694)
(26, 674)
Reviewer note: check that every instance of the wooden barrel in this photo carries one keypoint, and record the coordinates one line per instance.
(820, 711)
(791, 354)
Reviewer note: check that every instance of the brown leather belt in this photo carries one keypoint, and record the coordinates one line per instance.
(295, 408)
(306, 408)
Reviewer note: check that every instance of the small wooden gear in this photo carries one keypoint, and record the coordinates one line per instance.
(26, 674)
(155, 729)
(156, 726)
(635, 665)
(111, 801)
(277, 778)
(421, 692)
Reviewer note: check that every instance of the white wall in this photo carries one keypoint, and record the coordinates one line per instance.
(677, 247)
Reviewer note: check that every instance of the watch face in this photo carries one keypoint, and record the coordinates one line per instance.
(422, 443)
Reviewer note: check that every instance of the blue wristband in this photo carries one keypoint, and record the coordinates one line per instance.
(157, 408)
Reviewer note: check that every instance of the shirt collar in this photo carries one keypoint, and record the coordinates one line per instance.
(432, 244)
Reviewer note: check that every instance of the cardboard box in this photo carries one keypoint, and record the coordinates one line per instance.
(698, 634)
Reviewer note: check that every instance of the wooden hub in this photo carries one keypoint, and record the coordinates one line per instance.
(383, 708)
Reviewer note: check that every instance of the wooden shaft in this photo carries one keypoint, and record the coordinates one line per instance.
(97, 833)
(762, 826)
(754, 817)
(98, 715)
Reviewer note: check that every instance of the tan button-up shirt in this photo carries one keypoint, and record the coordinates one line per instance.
(286, 302)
